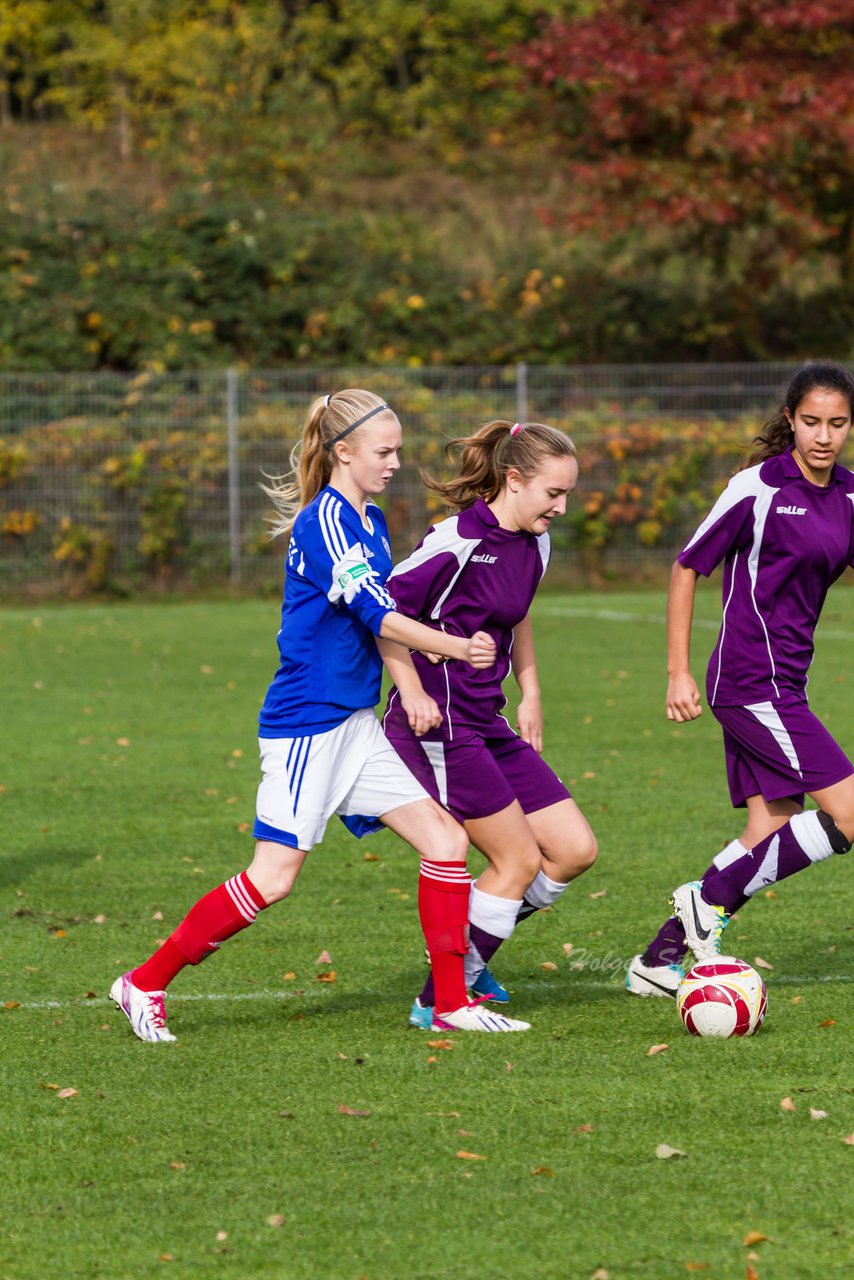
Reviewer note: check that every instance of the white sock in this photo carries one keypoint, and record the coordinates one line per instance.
(543, 892)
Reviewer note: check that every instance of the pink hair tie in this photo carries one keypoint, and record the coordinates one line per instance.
(516, 428)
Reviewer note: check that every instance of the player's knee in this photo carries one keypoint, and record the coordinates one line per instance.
(572, 859)
(451, 843)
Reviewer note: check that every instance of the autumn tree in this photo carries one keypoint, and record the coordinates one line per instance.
(723, 131)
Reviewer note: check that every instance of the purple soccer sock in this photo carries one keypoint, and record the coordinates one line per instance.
(804, 839)
(668, 946)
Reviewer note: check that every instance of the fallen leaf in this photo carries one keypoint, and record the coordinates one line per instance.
(600, 894)
(276, 1220)
(352, 1111)
(656, 1048)
(567, 948)
(664, 1152)
(549, 965)
(754, 1237)
(432, 1059)
(469, 1155)
(100, 919)
(535, 1173)
(326, 977)
(585, 1128)
(817, 1115)
(67, 1093)
(285, 1115)
(324, 958)
(696, 1266)
(122, 742)
(91, 995)
(601, 1274)
(440, 1044)
(454, 1114)
(12, 1004)
(465, 1133)
(243, 827)
(158, 915)
(237, 754)
(786, 1104)
(750, 1274)
(849, 1141)
(177, 1164)
(770, 893)
(796, 999)
(508, 1066)
(289, 976)
(221, 1235)
(371, 857)
(166, 1257)
(828, 1022)
(762, 964)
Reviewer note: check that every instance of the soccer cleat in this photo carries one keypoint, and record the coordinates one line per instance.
(421, 1015)
(703, 924)
(474, 1017)
(653, 979)
(144, 1010)
(488, 986)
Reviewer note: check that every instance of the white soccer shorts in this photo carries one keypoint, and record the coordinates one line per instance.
(352, 771)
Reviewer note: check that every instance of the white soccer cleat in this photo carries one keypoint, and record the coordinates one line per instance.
(703, 924)
(144, 1010)
(474, 1017)
(653, 979)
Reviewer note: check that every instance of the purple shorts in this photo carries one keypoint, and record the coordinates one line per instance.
(778, 750)
(474, 776)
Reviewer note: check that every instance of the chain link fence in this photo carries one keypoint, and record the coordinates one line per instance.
(122, 482)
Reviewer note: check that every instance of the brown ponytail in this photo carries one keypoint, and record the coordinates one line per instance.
(492, 451)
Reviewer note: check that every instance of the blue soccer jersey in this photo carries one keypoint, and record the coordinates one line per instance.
(334, 604)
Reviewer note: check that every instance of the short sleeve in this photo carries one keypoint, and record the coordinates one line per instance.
(728, 526)
(339, 565)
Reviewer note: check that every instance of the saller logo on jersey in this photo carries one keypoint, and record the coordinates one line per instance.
(484, 559)
(791, 511)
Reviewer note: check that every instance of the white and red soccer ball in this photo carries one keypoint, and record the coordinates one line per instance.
(722, 997)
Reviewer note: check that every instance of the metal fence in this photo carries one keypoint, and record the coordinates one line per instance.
(114, 481)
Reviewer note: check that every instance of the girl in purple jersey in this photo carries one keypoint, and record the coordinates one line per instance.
(480, 569)
(784, 528)
(322, 750)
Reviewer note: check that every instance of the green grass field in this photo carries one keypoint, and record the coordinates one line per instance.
(299, 1130)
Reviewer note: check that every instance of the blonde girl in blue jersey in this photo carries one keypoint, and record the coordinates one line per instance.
(322, 749)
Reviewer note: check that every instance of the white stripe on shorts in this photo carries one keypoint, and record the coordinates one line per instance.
(767, 716)
(435, 753)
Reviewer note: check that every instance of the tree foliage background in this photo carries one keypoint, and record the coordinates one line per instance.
(190, 182)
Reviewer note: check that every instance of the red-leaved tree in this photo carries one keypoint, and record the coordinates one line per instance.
(727, 123)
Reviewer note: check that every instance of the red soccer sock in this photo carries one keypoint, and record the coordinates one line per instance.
(215, 917)
(443, 906)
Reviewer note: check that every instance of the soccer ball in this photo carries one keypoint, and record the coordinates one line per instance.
(723, 997)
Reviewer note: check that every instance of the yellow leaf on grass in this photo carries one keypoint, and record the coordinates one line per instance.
(371, 857)
(549, 965)
(600, 894)
(535, 1173)
(567, 948)
(696, 1266)
(762, 964)
(656, 1048)
(469, 1155)
(276, 1220)
(786, 1104)
(440, 1044)
(289, 976)
(849, 1141)
(754, 1237)
(352, 1111)
(828, 1022)
(177, 1164)
(67, 1093)
(324, 958)
(326, 977)
(665, 1152)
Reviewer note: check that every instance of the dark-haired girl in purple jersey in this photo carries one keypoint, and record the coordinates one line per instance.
(784, 528)
(485, 562)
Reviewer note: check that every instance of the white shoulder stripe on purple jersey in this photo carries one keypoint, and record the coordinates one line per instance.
(443, 537)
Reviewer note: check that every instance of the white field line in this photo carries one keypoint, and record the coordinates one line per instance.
(225, 997)
(658, 619)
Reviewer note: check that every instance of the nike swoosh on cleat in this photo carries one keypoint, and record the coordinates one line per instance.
(702, 933)
(668, 991)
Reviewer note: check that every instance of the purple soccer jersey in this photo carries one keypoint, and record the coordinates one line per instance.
(784, 541)
(468, 574)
